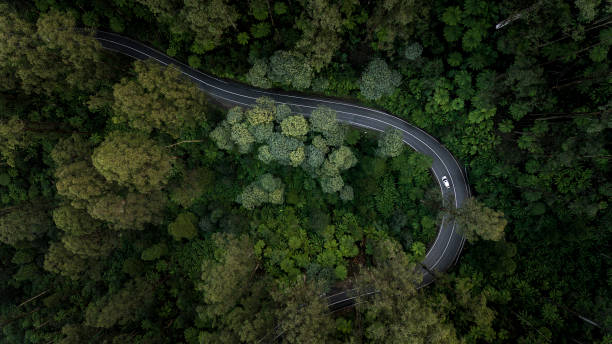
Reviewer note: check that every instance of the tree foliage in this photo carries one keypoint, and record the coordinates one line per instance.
(478, 221)
(132, 159)
(378, 80)
(160, 98)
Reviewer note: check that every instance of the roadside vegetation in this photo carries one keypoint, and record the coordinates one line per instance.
(136, 210)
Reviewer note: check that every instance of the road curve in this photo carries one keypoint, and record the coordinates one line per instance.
(448, 244)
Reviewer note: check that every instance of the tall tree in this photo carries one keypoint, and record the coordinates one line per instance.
(266, 189)
(76, 57)
(477, 221)
(378, 80)
(130, 211)
(61, 261)
(122, 307)
(132, 159)
(321, 26)
(398, 313)
(392, 20)
(390, 143)
(160, 98)
(26, 221)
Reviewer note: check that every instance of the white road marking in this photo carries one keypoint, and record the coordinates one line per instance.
(349, 121)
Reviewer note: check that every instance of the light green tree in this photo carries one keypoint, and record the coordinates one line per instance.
(160, 98)
(241, 136)
(390, 143)
(291, 69)
(378, 80)
(331, 184)
(342, 158)
(257, 75)
(183, 226)
(479, 222)
(323, 120)
(133, 160)
(295, 126)
(222, 136)
(266, 189)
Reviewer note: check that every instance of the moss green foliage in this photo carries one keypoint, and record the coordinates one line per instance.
(480, 222)
(378, 80)
(132, 159)
(160, 98)
(99, 156)
(26, 221)
(194, 184)
(391, 143)
(183, 226)
(266, 189)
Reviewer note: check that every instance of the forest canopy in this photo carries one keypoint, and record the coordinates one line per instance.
(137, 209)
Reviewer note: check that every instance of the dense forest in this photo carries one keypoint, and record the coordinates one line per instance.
(135, 209)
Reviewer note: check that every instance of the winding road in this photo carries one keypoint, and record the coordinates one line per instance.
(451, 177)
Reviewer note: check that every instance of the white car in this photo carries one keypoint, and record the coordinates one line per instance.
(445, 182)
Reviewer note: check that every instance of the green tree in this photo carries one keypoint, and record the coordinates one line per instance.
(13, 137)
(80, 183)
(321, 25)
(223, 277)
(257, 75)
(295, 126)
(98, 243)
(183, 226)
(194, 184)
(71, 149)
(61, 261)
(75, 221)
(378, 80)
(26, 221)
(131, 211)
(390, 143)
(160, 98)
(122, 307)
(302, 315)
(480, 222)
(132, 159)
(30, 51)
(393, 20)
(266, 189)
(291, 69)
(398, 314)
(209, 20)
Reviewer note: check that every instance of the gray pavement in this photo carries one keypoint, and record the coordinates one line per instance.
(449, 242)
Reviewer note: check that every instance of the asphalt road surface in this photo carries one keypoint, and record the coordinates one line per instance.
(451, 178)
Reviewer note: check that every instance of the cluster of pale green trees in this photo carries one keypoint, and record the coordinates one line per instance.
(277, 135)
